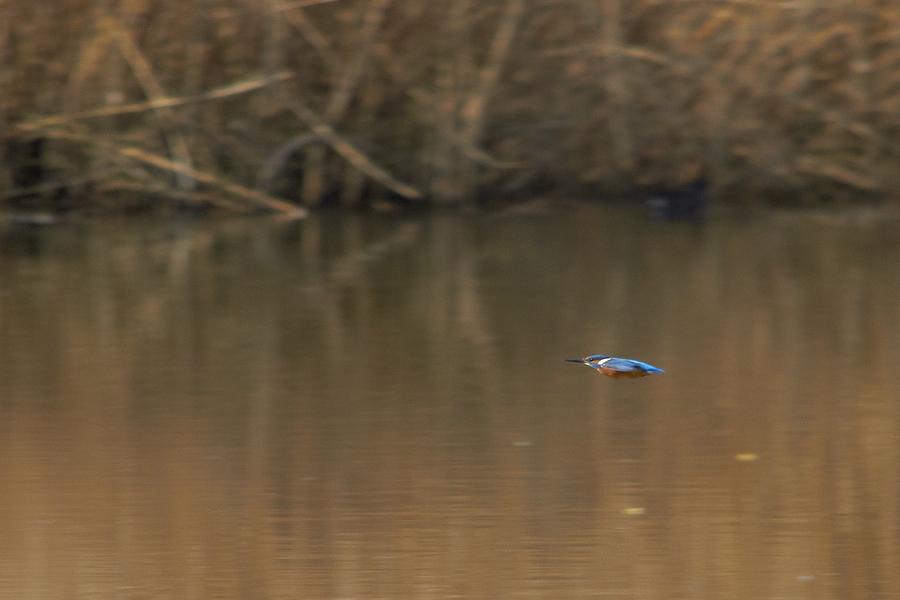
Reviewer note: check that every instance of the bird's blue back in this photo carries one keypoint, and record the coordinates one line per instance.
(624, 364)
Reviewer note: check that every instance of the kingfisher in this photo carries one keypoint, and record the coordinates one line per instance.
(617, 368)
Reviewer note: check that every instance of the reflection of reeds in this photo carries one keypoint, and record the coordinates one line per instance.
(361, 407)
(439, 99)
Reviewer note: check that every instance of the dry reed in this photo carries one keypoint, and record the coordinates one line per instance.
(357, 100)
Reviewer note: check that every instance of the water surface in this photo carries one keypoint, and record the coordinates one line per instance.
(376, 406)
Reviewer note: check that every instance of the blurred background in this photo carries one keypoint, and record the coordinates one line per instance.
(229, 103)
(364, 395)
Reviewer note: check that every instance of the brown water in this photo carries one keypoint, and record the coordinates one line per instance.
(376, 406)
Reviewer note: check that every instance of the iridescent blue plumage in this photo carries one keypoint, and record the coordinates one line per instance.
(617, 368)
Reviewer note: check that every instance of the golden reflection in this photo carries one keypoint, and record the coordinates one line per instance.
(376, 407)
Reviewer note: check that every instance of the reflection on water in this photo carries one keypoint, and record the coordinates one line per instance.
(374, 406)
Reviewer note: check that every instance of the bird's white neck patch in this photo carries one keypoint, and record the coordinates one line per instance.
(605, 360)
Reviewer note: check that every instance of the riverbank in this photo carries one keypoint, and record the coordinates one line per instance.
(352, 103)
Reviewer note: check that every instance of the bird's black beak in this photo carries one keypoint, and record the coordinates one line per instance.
(581, 360)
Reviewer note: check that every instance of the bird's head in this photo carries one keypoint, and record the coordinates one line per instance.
(593, 358)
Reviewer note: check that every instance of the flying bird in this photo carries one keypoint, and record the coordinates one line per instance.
(617, 368)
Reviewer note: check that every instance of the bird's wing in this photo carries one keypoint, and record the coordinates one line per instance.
(626, 364)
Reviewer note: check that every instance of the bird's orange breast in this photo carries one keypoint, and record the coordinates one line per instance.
(622, 374)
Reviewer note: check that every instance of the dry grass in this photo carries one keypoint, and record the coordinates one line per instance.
(438, 100)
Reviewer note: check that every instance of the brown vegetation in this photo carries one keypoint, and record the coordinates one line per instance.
(274, 104)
